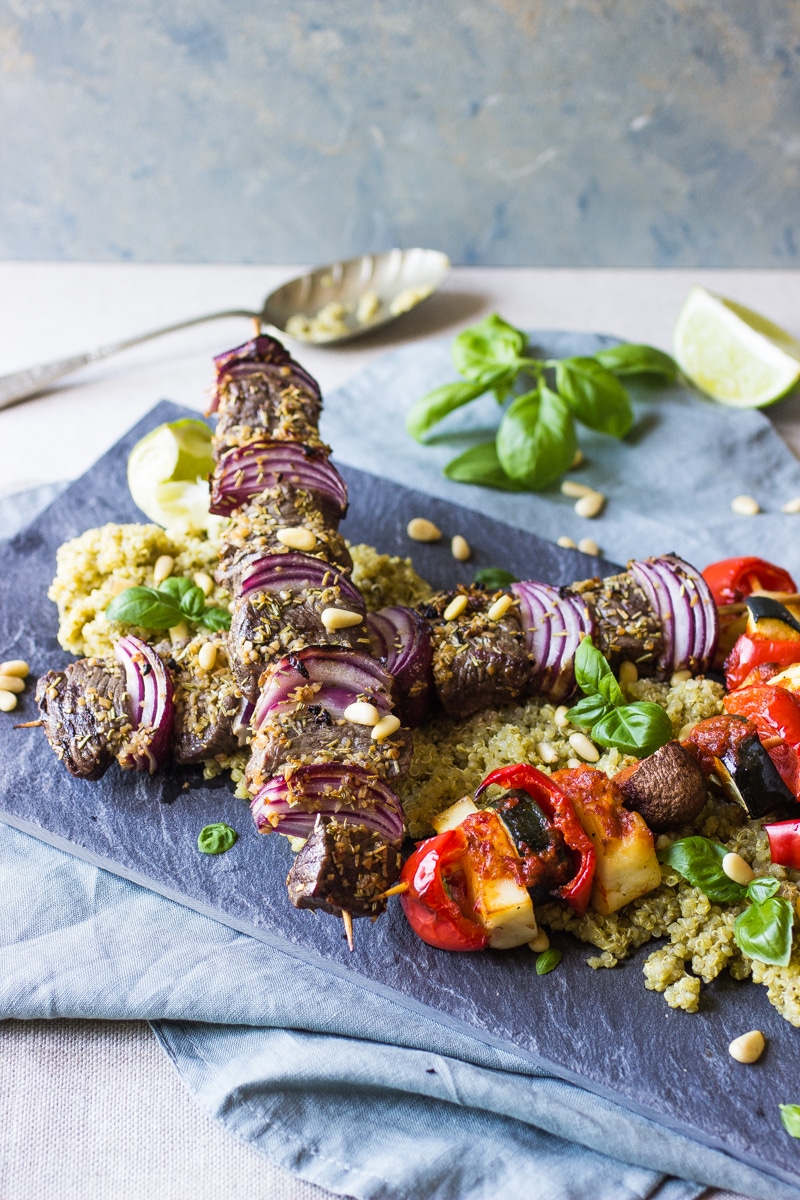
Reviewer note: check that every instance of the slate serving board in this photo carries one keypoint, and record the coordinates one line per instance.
(601, 1029)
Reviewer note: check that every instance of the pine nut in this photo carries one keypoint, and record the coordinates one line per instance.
(685, 730)
(560, 717)
(590, 505)
(164, 566)
(385, 727)
(547, 753)
(570, 487)
(678, 677)
(747, 1048)
(207, 656)
(738, 869)
(500, 607)
(455, 608)
(8, 701)
(11, 683)
(578, 460)
(573, 763)
(339, 618)
(567, 543)
(179, 632)
(628, 672)
(540, 943)
(460, 548)
(15, 666)
(204, 582)
(583, 747)
(792, 506)
(745, 506)
(587, 546)
(420, 529)
(297, 537)
(361, 713)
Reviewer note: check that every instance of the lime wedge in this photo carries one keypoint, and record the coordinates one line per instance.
(168, 474)
(733, 354)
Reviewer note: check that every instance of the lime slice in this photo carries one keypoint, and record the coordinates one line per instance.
(733, 354)
(168, 474)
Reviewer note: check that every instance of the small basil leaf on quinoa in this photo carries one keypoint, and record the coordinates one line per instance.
(587, 711)
(762, 888)
(494, 578)
(639, 729)
(215, 619)
(699, 861)
(176, 586)
(594, 675)
(193, 603)
(764, 931)
(145, 607)
(547, 961)
(790, 1119)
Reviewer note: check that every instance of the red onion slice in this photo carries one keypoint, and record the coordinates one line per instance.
(536, 601)
(256, 356)
(683, 603)
(247, 471)
(291, 803)
(339, 677)
(150, 704)
(554, 622)
(298, 572)
(402, 637)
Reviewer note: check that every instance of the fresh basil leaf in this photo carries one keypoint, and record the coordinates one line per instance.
(640, 728)
(146, 607)
(193, 603)
(434, 407)
(494, 578)
(632, 359)
(536, 439)
(593, 675)
(215, 619)
(762, 888)
(699, 861)
(176, 586)
(595, 396)
(764, 931)
(790, 1119)
(487, 345)
(547, 961)
(480, 465)
(587, 711)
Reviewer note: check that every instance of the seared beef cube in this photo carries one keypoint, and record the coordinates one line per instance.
(343, 867)
(627, 628)
(266, 625)
(312, 735)
(477, 662)
(85, 715)
(268, 403)
(206, 701)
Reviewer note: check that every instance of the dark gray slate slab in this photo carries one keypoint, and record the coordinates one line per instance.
(601, 1029)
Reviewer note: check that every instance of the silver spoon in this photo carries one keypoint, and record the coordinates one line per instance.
(326, 307)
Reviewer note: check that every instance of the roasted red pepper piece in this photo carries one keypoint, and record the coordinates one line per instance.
(749, 652)
(734, 579)
(784, 843)
(558, 809)
(775, 712)
(436, 898)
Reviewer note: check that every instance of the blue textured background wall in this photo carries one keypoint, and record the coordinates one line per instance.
(574, 132)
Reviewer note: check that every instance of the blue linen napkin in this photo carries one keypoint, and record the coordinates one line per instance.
(344, 1088)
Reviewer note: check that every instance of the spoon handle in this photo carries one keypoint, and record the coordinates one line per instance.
(32, 381)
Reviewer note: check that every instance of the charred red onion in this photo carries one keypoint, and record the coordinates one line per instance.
(262, 355)
(554, 621)
(684, 605)
(247, 471)
(336, 677)
(402, 639)
(291, 804)
(150, 705)
(298, 572)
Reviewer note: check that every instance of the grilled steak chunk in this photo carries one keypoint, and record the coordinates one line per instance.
(477, 662)
(206, 702)
(84, 709)
(627, 628)
(271, 402)
(343, 867)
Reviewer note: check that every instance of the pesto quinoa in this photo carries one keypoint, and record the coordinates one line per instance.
(452, 757)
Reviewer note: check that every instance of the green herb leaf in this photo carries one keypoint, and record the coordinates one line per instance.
(193, 603)
(593, 675)
(494, 578)
(215, 619)
(640, 728)
(146, 607)
(764, 931)
(434, 407)
(547, 961)
(595, 396)
(480, 465)
(790, 1119)
(176, 586)
(762, 889)
(587, 711)
(536, 439)
(699, 861)
(217, 838)
(487, 345)
(632, 359)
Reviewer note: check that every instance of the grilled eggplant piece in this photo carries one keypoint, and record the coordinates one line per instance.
(769, 619)
(730, 753)
(343, 867)
(84, 710)
(547, 863)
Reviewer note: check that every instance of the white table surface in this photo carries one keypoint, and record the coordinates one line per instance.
(93, 1110)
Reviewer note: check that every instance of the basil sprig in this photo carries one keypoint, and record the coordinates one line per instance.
(494, 578)
(764, 930)
(176, 599)
(535, 441)
(639, 728)
(790, 1119)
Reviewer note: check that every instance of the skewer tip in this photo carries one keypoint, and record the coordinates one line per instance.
(348, 928)
(29, 725)
(397, 890)
(257, 326)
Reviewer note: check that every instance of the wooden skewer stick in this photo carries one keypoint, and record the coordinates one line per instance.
(783, 597)
(257, 326)
(29, 725)
(348, 928)
(397, 890)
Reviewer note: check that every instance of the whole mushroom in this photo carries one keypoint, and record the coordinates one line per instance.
(668, 788)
